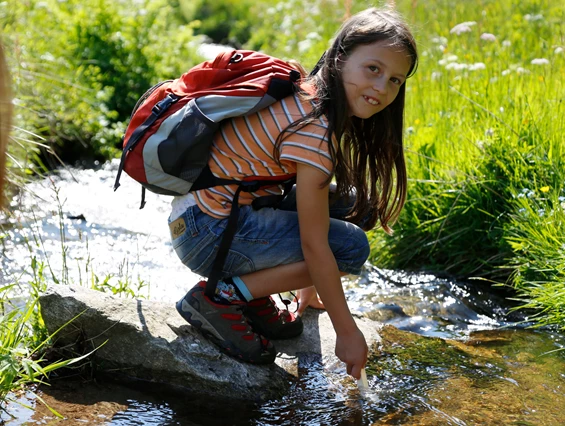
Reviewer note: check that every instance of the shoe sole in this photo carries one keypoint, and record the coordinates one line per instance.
(289, 333)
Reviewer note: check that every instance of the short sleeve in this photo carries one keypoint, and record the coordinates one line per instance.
(308, 145)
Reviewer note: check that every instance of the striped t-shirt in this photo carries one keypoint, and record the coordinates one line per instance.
(244, 147)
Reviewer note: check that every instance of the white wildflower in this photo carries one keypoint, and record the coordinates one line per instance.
(410, 130)
(506, 43)
(489, 132)
(439, 40)
(304, 45)
(286, 25)
(477, 66)
(456, 66)
(313, 36)
(440, 47)
(436, 75)
(488, 37)
(526, 192)
(501, 109)
(532, 18)
(448, 59)
(539, 61)
(48, 57)
(463, 27)
(558, 51)
(521, 70)
(505, 72)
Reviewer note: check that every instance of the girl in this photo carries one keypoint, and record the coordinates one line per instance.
(345, 124)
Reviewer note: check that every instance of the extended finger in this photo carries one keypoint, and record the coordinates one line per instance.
(355, 371)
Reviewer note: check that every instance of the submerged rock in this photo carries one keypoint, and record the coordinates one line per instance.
(148, 341)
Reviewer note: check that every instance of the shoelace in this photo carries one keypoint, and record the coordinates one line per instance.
(250, 334)
(287, 302)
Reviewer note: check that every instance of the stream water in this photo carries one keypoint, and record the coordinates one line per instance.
(454, 356)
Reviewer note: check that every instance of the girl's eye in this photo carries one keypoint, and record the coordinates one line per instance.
(373, 68)
(396, 81)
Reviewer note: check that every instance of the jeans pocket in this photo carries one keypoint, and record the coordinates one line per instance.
(192, 249)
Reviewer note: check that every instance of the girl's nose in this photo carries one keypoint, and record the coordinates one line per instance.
(379, 85)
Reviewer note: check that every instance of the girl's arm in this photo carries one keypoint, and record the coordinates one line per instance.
(314, 221)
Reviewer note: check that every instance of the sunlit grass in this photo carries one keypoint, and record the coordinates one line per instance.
(484, 126)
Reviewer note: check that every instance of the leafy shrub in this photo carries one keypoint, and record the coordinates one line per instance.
(223, 21)
(75, 84)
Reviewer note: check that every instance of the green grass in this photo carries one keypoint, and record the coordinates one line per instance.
(485, 149)
(24, 340)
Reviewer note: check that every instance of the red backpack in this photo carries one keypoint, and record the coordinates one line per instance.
(167, 142)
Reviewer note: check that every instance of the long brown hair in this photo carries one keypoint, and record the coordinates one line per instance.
(5, 118)
(369, 157)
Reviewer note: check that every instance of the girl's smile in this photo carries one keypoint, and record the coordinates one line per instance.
(372, 76)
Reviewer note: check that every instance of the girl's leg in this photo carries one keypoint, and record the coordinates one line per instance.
(266, 251)
(268, 238)
(293, 276)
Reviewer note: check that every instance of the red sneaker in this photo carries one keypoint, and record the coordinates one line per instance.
(226, 326)
(268, 320)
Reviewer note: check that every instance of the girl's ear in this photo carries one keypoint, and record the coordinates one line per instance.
(340, 59)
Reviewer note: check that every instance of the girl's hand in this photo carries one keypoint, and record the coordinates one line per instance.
(352, 349)
(308, 297)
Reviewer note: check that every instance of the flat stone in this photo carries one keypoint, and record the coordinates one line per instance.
(149, 341)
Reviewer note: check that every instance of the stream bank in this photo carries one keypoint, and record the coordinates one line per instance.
(466, 361)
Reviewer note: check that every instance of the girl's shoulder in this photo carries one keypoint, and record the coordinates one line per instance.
(301, 103)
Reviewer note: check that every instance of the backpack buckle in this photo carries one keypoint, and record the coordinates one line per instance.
(250, 186)
(164, 104)
(237, 57)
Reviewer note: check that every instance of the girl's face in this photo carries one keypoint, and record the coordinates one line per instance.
(372, 76)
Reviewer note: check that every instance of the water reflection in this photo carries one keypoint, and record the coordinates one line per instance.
(428, 305)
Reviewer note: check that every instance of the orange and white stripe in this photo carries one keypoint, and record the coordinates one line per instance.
(244, 147)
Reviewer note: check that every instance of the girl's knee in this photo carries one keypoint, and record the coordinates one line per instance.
(362, 249)
(353, 252)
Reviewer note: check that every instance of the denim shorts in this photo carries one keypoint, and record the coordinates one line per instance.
(264, 239)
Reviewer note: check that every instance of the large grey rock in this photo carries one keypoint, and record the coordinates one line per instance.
(148, 340)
